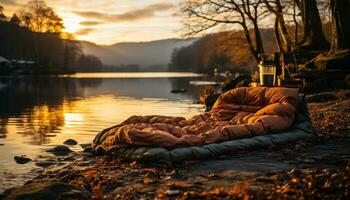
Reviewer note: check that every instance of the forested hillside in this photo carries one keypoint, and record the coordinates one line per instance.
(149, 56)
(223, 50)
(48, 50)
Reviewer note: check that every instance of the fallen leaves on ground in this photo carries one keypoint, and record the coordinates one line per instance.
(110, 178)
(330, 119)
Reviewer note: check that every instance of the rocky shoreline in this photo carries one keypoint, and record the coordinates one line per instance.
(318, 169)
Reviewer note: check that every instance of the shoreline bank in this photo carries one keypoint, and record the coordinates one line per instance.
(273, 172)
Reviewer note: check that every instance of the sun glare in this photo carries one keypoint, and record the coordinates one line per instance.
(71, 22)
(73, 118)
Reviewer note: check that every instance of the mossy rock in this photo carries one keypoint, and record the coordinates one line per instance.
(338, 60)
(60, 150)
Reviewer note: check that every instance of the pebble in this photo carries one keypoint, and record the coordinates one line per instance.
(172, 192)
(44, 164)
(88, 150)
(68, 158)
(70, 142)
(22, 159)
(86, 145)
(60, 150)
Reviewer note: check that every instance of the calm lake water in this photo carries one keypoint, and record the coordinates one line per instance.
(37, 113)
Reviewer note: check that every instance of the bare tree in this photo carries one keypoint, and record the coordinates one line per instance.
(39, 17)
(201, 15)
(15, 20)
(2, 15)
(283, 38)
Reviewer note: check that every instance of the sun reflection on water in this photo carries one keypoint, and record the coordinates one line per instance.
(82, 119)
(36, 113)
(73, 119)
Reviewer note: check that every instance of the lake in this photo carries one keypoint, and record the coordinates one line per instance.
(37, 113)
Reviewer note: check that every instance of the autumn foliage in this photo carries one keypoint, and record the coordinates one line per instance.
(224, 51)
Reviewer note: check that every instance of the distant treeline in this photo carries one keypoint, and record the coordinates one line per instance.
(47, 50)
(35, 34)
(223, 50)
(122, 68)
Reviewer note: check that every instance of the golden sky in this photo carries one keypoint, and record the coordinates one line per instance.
(111, 21)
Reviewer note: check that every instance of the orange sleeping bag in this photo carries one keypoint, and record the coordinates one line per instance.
(238, 113)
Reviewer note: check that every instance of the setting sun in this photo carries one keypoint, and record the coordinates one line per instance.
(109, 21)
(71, 22)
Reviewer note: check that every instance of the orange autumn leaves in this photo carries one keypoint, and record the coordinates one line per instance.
(331, 119)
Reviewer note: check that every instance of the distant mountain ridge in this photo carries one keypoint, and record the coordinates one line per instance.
(153, 55)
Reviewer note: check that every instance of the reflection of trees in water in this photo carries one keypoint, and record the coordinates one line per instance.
(41, 123)
(90, 82)
(37, 104)
(3, 128)
(25, 93)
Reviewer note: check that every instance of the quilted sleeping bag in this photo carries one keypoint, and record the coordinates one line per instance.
(239, 113)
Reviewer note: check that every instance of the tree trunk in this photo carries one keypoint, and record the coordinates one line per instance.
(296, 29)
(313, 38)
(339, 55)
(258, 40)
(284, 34)
(341, 25)
(283, 37)
(258, 48)
(278, 38)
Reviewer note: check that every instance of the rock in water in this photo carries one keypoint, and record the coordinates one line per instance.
(88, 150)
(60, 150)
(84, 146)
(52, 191)
(178, 91)
(44, 164)
(22, 159)
(70, 142)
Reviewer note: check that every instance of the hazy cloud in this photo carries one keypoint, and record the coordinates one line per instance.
(133, 15)
(84, 31)
(90, 23)
(8, 2)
